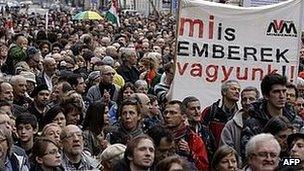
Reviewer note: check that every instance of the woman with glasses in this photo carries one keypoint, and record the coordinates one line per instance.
(46, 156)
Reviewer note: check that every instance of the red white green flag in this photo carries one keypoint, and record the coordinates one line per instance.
(112, 14)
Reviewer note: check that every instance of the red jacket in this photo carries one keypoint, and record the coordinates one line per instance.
(198, 151)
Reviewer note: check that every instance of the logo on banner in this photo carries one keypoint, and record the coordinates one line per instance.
(282, 28)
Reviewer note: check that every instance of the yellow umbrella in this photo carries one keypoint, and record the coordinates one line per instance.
(87, 15)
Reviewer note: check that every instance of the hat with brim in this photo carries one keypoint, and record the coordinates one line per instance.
(292, 137)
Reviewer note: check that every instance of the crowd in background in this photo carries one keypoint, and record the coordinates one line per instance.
(88, 95)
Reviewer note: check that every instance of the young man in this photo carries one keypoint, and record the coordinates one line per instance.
(273, 104)
(139, 155)
(26, 125)
(38, 107)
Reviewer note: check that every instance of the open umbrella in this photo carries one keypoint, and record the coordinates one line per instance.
(87, 15)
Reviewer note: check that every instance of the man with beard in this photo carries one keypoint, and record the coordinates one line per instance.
(187, 143)
(38, 107)
(217, 115)
(73, 157)
(139, 155)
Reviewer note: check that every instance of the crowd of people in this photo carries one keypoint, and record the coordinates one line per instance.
(88, 95)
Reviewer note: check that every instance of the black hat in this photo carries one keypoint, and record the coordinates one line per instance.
(38, 89)
(293, 137)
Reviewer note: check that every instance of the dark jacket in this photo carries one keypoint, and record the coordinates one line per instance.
(18, 159)
(40, 79)
(259, 116)
(214, 117)
(129, 74)
(36, 167)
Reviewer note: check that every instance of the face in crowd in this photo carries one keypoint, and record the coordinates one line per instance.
(72, 140)
(173, 116)
(130, 117)
(143, 154)
(277, 96)
(232, 93)
(265, 156)
(194, 111)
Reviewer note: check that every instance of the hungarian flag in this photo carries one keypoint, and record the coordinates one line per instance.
(112, 14)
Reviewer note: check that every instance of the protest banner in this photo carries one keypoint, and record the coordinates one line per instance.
(217, 42)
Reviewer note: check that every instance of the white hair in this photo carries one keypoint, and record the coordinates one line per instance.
(256, 140)
(15, 79)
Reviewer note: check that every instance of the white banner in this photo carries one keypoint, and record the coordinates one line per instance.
(218, 42)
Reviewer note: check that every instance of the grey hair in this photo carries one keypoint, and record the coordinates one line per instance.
(259, 139)
(225, 85)
(251, 88)
(139, 83)
(16, 78)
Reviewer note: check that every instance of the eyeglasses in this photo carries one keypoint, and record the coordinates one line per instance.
(53, 152)
(266, 154)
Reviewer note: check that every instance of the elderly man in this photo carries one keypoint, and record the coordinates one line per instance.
(128, 70)
(19, 87)
(105, 90)
(262, 153)
(6, 94)
(231, 134)
(73, 157)
(45, 77)
(220, 112)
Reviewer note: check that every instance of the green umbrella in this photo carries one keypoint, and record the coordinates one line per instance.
(87, 15)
